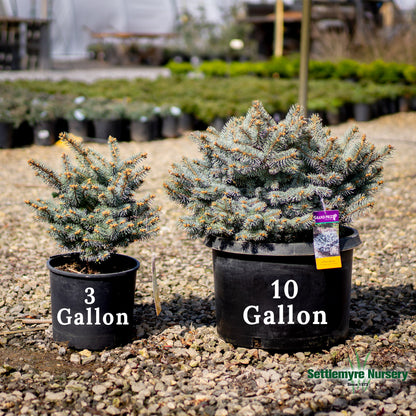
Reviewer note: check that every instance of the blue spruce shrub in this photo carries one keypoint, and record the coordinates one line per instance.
(259, 180)
(93, 209)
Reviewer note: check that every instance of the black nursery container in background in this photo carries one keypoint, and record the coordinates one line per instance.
(78, 123)
(253, 196)
(81, 128)
(144, 121)
(145, 129)
(170, 116)
(106, 116)
(44, 133)
(6, 135)
(103, 128)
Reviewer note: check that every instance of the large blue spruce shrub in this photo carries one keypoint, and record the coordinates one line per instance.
(259, 180)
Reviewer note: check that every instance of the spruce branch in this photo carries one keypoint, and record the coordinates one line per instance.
(46, 174)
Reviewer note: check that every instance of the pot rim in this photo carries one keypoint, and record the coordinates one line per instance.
(349, 242)
(97, 276)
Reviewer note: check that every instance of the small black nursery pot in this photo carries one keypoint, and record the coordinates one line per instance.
(93, 311)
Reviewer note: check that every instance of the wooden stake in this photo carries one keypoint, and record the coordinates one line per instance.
(21, 331)
(304, 55)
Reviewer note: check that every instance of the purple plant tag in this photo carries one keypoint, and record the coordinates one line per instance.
(326, 216)
(326, 240)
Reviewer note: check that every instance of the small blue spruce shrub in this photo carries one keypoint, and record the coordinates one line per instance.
(93, 208)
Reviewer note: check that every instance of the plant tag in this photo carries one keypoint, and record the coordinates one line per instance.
(326, 240)
(156, 296)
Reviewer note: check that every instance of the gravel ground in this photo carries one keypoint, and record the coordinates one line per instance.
(86, 71)
(178, 365)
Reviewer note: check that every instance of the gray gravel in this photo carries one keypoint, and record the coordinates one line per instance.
(84, 72)
(178, 365)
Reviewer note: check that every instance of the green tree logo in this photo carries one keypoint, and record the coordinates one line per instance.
(359, 385)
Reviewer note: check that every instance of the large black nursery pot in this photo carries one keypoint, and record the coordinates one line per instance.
(271, 296)
(93, 311)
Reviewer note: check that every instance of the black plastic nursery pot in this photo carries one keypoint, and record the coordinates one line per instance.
(271, 296)
(108, 127)
(362, 112)
(6, 135)
(82, 128)
(142, 131)
(185, 123)
(170, 126)
(44, 133)
(92, 311)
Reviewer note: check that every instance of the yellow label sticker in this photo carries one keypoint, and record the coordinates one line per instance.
(328, 262)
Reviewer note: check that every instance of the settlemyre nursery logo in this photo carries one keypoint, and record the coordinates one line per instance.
(358, 377)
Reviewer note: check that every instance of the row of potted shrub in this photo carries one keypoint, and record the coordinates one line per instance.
(288, 67)
(28, 116)
(145, 110)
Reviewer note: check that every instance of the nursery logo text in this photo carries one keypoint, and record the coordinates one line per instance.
(357, 376)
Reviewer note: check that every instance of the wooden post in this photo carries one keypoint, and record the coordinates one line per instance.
(33, 9)
(387, 13)
(44, 59)
(278, 28)
(44, 9)
(304, 55)
(359, 23)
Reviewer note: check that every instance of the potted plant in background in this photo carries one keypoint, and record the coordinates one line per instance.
(170, 120)
(107, 117)
(252, 196)
(11, 116)
(142, 121)
(75, 115)
(93, 211)
(45, 115)
(362, 103)
(6, 127)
